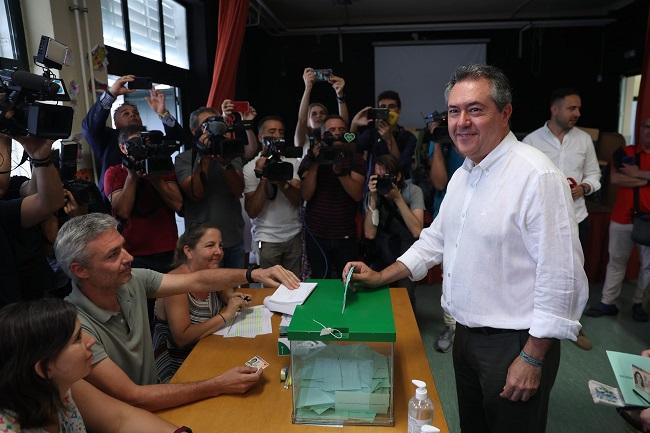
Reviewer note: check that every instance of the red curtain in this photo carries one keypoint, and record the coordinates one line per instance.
(230, 37)
(643, 102)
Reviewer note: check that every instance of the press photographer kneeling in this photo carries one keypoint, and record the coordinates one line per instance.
(394, 216)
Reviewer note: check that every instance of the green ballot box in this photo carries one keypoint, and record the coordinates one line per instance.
(342, 358)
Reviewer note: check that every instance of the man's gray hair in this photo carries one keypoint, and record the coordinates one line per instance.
(499, 84)
(72, 240)
(194, 116)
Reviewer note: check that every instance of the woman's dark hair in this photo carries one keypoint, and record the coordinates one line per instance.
(190, 238)
(391, 164)
(31, 332)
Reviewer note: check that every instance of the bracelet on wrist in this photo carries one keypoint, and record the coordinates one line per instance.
(530, 360)
(225, 322)
(164, 114)
(249, 273)
(341, 98)
(41, 162)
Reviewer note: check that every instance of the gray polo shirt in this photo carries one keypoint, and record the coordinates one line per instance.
(123, 336)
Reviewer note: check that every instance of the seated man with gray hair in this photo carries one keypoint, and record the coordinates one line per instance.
(112, 302)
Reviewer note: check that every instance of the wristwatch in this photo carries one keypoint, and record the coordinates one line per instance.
(249, 273)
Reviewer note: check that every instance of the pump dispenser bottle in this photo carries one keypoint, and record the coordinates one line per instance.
(420, 408)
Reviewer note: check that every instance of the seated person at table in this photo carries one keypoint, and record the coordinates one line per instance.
(111, 299)
(182, 320)
(44, 357)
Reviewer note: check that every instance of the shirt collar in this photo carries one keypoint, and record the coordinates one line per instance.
(77, 298)
(491, 158)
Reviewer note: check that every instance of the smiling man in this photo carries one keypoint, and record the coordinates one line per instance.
(111, 300)
(513, 276)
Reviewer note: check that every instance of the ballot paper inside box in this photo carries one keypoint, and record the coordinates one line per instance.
(342, 362)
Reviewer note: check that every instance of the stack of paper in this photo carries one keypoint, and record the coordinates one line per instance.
(343, 382)
(285, 301)
(249, 323)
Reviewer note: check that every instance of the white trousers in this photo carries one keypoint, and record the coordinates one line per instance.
(620, 248)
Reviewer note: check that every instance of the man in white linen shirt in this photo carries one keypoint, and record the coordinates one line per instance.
(572, 151)
(513, 275)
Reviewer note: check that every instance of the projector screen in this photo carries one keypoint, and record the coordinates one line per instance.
(420, 71)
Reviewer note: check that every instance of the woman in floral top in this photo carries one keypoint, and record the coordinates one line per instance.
(43, 358)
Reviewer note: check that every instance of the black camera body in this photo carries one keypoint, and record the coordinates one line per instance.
(150, 153)
(332, 149)
(275, 169)
(385, 183)
(21, 113)
(441, 133)
(218, 144)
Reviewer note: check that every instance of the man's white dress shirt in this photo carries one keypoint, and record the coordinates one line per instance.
(508, 240)
(575, 156)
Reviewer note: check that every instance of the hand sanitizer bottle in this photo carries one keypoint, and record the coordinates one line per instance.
(420, 408)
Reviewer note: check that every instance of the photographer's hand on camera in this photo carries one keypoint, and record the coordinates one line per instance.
(386, 133)
(118, 87)
(309, 77)
(360, 119)
(227, 107)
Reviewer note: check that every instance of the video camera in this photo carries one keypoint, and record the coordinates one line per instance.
(150, 153)
(218, 144)
(275, 169)
(332, 149)
(385, 183)
(441, 133)
(21, 113)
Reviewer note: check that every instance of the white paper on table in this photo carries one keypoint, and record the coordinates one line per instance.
(283, 295)
(249, 323)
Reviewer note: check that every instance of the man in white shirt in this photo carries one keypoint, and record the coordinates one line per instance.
(513, 274)
(572, 151)
(274, 204)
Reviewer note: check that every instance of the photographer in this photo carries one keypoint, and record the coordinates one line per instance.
(394, 215)
(145, 204)
(311, 116)
(25, 213)
(387, 136)
(272, 203)
(332, 187)
(103, 140)
(445, 160)
(212, 185)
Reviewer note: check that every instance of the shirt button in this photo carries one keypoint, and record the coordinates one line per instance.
(449, 274)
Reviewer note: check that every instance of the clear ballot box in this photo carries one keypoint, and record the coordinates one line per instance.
(342, 360)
